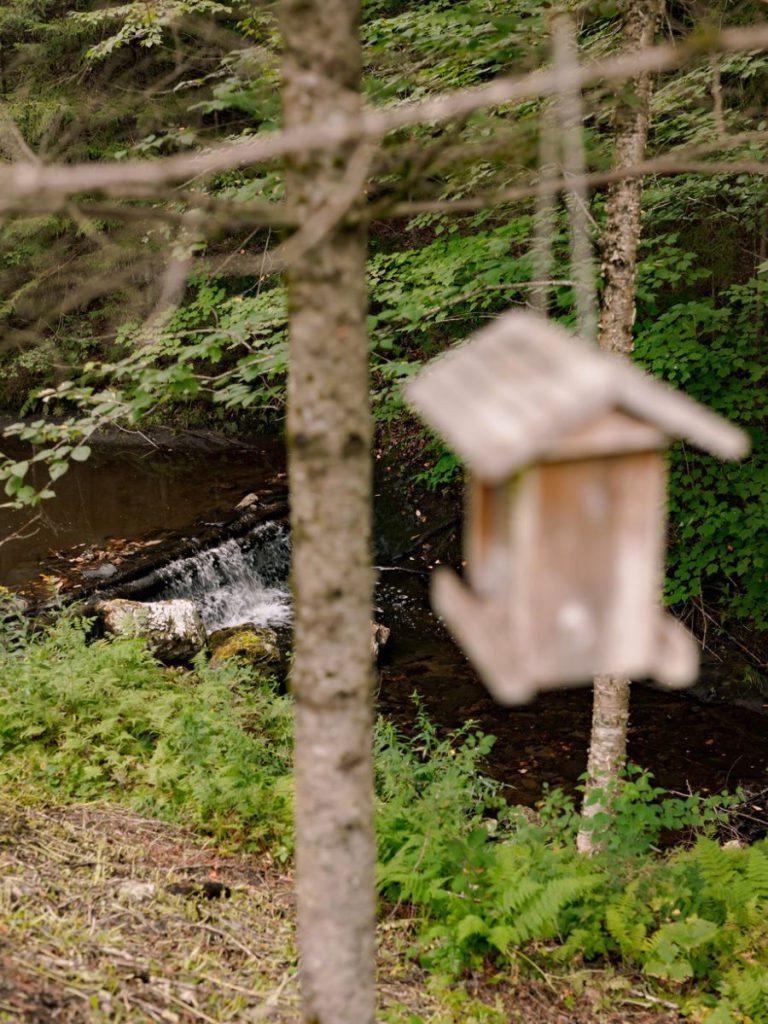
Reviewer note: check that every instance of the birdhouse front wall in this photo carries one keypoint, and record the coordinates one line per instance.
(585, 565)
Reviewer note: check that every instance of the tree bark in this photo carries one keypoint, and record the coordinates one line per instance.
(610, 708)
(329, 440)
(545, 215)
(570, 105)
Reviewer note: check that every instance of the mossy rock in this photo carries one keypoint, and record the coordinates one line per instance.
(255, 645)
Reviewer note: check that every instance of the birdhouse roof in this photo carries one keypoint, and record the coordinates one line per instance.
(508, 395)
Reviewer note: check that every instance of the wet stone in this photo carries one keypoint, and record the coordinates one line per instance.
(173, 629)
(256, 645)
(101, 572)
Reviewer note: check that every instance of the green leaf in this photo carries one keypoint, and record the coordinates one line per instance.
(471, 925)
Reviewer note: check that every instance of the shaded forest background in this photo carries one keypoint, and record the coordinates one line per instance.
(87, 332)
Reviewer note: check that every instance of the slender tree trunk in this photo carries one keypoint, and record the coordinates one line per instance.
(610, 708)
(545, 215)
(570, 106)
(329, 438)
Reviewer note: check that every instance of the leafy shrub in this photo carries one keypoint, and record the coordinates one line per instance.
(425, 789)
(640, 813)
(491, 879)
(713, 350)
(15, 625)
(105, 719)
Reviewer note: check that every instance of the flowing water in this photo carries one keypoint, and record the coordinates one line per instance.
(156, 494)
(243, 580)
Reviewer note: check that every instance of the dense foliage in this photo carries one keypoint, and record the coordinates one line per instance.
(106, 719)
(90, 343)
(155, 78)
(211, 748)
(493, 879)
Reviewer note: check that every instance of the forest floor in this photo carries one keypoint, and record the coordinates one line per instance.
(109, 916)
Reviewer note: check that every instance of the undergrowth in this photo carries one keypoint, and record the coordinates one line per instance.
(106, 720)
(489, 882)
(496, 881)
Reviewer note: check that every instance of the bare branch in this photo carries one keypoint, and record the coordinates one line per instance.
(544, 217)
(25, 182)
(20, 534)
(661, 166)
(137, 273)
(12, 141)
(176, 275)
(222, 213)
(717, 97)
(335, 208)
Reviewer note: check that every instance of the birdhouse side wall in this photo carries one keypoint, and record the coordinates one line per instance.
(487, 537)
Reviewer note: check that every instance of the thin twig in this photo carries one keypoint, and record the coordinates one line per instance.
(544, 217)
(662, 166)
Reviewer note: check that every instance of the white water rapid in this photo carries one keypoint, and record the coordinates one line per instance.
(242, 580)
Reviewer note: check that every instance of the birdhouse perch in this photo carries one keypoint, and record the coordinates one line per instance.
(565, 522)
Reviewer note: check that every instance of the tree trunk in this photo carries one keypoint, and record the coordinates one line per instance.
(610, 709)
(570, 105)
(329, 439)
(545, 214)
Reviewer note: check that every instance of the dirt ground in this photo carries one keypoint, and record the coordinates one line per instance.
(108, 916)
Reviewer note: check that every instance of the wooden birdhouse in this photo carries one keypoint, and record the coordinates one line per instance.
(566, 501)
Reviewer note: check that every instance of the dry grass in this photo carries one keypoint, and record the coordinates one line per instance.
(90, 932)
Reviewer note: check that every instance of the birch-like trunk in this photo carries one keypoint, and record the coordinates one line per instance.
(610, 708)
(329, 443)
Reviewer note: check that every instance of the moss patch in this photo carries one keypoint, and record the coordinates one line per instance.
(255, 645)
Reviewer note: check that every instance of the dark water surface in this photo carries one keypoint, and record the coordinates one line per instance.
(683, 741)
(133, 491)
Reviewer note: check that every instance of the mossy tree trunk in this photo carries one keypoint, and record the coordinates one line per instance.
(329, 437)
(610, 707)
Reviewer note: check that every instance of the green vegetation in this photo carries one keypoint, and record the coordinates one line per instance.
(489, 881)
(513, 884)
(91, 338)
(164, 77)
(105, 719)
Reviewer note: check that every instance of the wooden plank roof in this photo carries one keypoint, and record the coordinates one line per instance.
(504, 398)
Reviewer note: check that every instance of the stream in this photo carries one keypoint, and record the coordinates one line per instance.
(131, 495)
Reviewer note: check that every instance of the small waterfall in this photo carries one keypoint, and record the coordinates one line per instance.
(242, 580)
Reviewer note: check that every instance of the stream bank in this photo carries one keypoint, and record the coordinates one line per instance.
(162, 511)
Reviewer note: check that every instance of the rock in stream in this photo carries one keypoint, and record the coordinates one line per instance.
(256, 645)
(173, 629)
